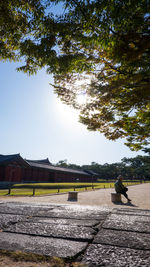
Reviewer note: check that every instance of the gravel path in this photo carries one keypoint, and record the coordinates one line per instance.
(140, 195)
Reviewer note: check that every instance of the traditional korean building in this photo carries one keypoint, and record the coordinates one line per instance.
(15, 169)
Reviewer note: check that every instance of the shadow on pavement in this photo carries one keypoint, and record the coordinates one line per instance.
(126, 204)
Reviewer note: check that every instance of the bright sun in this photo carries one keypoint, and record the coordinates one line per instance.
(81, 99)
(67, 113)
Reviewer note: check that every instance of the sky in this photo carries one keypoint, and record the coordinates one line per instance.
(34, 123)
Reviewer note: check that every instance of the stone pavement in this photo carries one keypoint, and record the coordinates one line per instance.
(95, 236)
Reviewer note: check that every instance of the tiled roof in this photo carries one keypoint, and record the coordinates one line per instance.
(41, 161)
(50, 167)
(91, 172)
(7, 158)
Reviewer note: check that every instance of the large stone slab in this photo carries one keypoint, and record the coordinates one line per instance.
(128, 223)
(55, 211)
(131, 211)
(88, 223)
(7, 219)
(93, 215)
(112, 256)
(23, 209)
(41, 245)
(123, 239)
(52, 230)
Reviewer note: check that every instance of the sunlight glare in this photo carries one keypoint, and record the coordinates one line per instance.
(66, 112)
(81, 99)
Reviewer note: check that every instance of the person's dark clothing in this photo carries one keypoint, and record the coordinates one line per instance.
(123, 192)
(121, 189)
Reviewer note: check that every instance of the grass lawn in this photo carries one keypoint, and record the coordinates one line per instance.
(53, 188)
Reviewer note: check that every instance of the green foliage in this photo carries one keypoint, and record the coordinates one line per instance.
(17, 24)
(109, 41)
(96, 48)
(140, 166)
(131, 168)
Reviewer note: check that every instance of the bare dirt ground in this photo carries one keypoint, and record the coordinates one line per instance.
(18, 258)
(139, 194)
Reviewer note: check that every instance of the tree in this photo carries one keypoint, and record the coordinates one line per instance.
(140, 166)
(137, 167)
(16, 25)
(97, 49)
(62, 163)
(107, 44)
(22, 34)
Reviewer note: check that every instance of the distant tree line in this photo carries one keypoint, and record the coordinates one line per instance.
(131, 168)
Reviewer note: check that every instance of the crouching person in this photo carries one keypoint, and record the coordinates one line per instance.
(120, 188)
